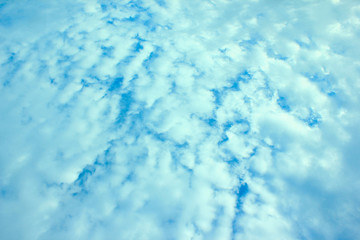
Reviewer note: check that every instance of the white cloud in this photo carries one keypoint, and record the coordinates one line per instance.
(179, 120)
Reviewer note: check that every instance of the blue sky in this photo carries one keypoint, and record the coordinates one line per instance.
(150, 119)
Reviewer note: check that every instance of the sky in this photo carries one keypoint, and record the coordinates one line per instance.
(179, 119)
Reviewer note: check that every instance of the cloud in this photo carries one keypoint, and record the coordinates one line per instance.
(179, 120)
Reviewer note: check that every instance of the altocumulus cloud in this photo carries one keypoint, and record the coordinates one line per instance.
(179, 119)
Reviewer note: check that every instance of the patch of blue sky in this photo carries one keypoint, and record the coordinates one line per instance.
(313, 120)
(26, 118)
(161, 3)
(171, 222)
(245, 125)
(153, 55)
(307, 42)
(143, 15)
(232, 161)
(136, 4)
(248, 44)
(81, 187)
(224, 138)
(6, 192)
(219, 212)
(162, 137)
(123, 63)
(129, 178)
(104, 7)
(244, 76)
(131, 18)
(241, 78)
(240, 193)
(5, 19)
(84, 82)
(9, 72)
(218, 97)
(90, 75)
(271, 53)
(11, 58)
(107, 51)
(116, 84)
(235, 85)
(147, 63)
(211, 122)
(84, 175)
(189, 170)
(2, 5)
(64, 61)
(106, 159)
(253, 152)
(138, 47)
(323, 80)
(124, 105)
(282, 102)
(228, 125)
(112, 20)
(331, 94)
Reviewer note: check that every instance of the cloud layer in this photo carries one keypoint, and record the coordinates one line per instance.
(179, 119)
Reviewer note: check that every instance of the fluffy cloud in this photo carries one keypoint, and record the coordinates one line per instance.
(179, 120)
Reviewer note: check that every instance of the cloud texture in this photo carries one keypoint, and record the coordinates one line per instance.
(162, 119)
